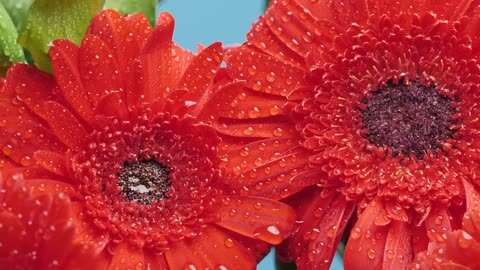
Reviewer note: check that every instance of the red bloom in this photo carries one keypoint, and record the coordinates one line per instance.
(36, 231)
(459, 249)
(367, 105)
(122, 128)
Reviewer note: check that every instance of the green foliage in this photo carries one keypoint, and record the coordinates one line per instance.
(17, 9)
(134, 6)
(10, 51)
(48, 20)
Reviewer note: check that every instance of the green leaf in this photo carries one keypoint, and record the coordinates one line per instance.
(146, 7)
(10, 51)
(48, 20)
(267, 3)
(18, 10)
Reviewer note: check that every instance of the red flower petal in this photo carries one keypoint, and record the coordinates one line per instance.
(118, 33)
(236, 102)
(64, 56)
(269, 129)
(365, 247)
(323, 221)
(86, 233)
(398, 249)
(162, 61)
(256, 217)
(341, 11)
(64, 125)
(51, 161)
(264, 73)
(98, 69)
(437, 223)
(213, 249)
(156, 261)
(127, 258)
(293, 25)
(140, 27)
(45, 186)
(199, 76)
(272, 176)
(471, 220)
(32, 86)
(261, 37)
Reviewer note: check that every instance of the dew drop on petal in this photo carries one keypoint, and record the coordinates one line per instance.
(465, 240)
(274, 110)
(228, 242)
(227, 201)
(390, 254)
(252, 70)
(190, 266)
(249, 131)
(269, 234)
(26, 161)
(254, 112)
(41, 187)
(232, 213)
(356, 233)
(7, 149)
(270, 77)
(277, 132)
(371, 254)
(258, 205)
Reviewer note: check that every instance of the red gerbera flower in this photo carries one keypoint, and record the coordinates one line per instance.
(459, 249)
(367, 105)
(36, 231)
(122, 129)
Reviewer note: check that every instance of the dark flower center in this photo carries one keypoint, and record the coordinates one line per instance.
(410, 119)
(144, 181)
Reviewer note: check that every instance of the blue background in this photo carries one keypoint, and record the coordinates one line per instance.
(207, 21)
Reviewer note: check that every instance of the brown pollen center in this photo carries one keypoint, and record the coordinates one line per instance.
(144, 181)
(410, 119)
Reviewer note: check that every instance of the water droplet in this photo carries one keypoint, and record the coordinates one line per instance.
(26, 161)
(242, 96)
(270, 76)
(390, 254)
(269, 234)
(465, 240)
(254, 112)
(438, 220)
(356, 233)
(277, 132)
(244, 152)
(249, 131)
(41, 187)
(257, 86)
(228, 243)
(227, 201)
(371, 254)
(232, 212)
(7, 149)
(252, 70)
(332, 231)
(258, 205)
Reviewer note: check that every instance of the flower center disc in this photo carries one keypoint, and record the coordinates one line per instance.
(410, 119)
(144, 181)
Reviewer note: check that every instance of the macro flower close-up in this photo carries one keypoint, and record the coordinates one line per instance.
(458, 249)
(362, 115)
(122, 129)
(36, 231)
